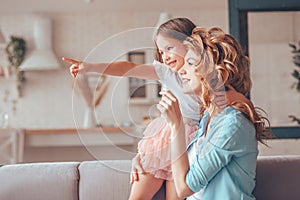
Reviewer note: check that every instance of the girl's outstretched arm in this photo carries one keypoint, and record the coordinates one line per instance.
(122, 68)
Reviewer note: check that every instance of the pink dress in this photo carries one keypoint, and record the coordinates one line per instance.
(154, 148)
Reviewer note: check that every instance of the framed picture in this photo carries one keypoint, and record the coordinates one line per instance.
(137, 87)
(142, 90)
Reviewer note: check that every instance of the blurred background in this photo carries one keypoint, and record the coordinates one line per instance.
(47, 100)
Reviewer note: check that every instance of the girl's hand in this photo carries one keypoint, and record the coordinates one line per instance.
(169, 108)
(223, 99)
(76, 66)
(136, 168)
(233, 96)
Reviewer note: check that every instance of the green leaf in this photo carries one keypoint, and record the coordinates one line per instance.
(294, 119)
(296, 74)
(293, 46)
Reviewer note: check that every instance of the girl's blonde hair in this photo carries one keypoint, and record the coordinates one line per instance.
(223, 63)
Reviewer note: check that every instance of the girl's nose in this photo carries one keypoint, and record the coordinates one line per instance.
(166, 57)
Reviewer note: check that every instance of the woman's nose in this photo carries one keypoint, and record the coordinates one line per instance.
(182, 71)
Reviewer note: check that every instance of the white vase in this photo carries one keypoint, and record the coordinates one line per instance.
(89, 120)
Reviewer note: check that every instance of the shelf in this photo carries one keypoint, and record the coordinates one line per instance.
(106, 136)
(143, 101)
(8, 79)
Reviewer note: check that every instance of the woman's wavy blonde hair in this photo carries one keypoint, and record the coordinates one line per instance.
(223, 63)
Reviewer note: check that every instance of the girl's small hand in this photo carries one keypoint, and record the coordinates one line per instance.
(136, 168)
(234, 96)
(225, 98)
(76, 66)
(169, 107)
(221, 99)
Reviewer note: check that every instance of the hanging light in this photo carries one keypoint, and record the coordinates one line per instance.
(42, 57)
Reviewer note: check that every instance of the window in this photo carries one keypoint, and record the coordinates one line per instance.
(238, 22)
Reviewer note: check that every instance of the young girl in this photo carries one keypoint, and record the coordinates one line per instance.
(153, 149)
(220, 162)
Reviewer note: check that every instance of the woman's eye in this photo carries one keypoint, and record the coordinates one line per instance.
(190, 62)
(169, 48)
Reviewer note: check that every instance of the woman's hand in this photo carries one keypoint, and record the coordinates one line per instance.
(136, 168)
(76, 66)
(169, 108)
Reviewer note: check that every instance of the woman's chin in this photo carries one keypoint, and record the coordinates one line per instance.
(187, 89)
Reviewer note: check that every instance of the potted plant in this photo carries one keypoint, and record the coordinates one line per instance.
(296, 73)
(16, 50)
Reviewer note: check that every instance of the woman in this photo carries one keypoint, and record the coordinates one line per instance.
(220, 162)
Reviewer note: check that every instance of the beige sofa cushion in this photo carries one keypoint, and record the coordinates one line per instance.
(34, 181)
(104, 180)
(107, 180)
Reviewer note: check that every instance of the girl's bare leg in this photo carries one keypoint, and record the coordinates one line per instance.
(171, 193)
(145, 188)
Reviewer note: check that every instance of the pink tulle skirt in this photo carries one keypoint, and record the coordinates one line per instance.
(155, 147)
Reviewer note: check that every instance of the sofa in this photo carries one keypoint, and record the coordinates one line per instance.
(278, 178)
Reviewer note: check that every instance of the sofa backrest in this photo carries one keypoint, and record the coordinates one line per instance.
(104, 179)
(107, 180)
(277, 178)
(36, 181)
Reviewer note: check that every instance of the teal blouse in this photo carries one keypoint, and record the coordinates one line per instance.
(225, 161)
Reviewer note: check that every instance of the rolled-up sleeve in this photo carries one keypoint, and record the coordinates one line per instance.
(206, 166)
(215, 153)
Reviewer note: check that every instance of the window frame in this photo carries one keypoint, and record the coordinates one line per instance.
(238, 26)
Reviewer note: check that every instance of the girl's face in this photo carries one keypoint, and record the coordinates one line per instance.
(190, 74)
(172, 52)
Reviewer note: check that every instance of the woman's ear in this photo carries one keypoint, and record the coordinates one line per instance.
(197, 71)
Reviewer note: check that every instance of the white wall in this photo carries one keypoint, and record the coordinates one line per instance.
(271, 66)
(47, 95)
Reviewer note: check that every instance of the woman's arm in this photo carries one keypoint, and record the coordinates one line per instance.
(180, 162)
(122, 68)
(169, 108)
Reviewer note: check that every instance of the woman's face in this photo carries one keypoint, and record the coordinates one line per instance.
(190, 74)
(172, 51)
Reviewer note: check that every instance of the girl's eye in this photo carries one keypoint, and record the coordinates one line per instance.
(169, 48)
(161, 52)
